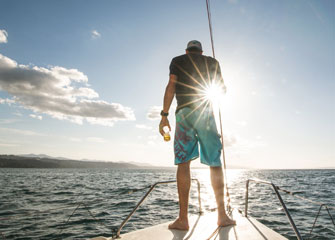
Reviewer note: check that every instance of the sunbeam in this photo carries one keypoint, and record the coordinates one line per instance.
(213, 92)
(206, 94)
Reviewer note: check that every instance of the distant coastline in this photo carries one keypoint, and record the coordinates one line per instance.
(14, 161)
(45, 161)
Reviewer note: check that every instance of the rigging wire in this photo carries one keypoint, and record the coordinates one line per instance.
(209, 15)
(210, 25)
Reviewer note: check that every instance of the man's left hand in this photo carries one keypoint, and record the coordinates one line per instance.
(164, 122)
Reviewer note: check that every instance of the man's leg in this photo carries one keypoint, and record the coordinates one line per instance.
(184, 184)
(218, 187)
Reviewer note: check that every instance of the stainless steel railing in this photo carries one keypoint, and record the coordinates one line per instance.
(275, 188)
(146, 195)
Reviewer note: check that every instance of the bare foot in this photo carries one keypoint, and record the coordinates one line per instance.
(225, 221)
(179, 224)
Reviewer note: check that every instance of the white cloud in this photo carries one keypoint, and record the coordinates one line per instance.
(229, 140)
(36, 116)
(95, 34)
(66, 75)
(3, 36)
(7, 62)
(143, 126)
(100, 121)
(6, 101)
(51, 91)
(154, 112)
(20, 132)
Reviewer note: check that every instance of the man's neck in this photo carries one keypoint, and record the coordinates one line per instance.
(194, 53)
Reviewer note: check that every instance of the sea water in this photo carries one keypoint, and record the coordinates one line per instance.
(37, 203)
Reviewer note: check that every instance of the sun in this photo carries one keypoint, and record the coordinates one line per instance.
(214, 92)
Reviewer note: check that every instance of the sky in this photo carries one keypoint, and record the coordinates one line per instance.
(86, 79)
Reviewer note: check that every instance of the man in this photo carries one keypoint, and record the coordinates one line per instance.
(190, 75)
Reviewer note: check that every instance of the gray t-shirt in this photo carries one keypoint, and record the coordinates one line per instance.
(192, 71)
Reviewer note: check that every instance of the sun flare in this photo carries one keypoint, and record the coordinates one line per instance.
(214, 92)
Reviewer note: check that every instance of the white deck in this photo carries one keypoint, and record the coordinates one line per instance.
(204, 227)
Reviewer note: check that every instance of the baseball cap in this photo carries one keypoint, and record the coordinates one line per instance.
(194, 44)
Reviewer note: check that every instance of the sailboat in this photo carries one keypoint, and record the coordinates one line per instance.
(203, 226)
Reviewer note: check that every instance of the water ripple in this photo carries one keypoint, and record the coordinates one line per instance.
(111, 194)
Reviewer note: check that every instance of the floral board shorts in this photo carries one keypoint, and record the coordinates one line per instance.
(194, 127)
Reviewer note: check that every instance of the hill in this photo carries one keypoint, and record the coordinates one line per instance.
(14, 161)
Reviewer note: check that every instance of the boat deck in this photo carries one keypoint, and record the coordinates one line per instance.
(204, 227)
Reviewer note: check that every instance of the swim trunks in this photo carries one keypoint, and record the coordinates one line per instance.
(194, 127)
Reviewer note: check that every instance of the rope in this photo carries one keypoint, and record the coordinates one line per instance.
(210, 25)
(303, 198)
(318, 214)
(223, 153)
(86, 208)
(224, 165)
(215, 233)
(314, 202)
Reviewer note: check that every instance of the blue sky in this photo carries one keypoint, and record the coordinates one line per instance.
(98, 68)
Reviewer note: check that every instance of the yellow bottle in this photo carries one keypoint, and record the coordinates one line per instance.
(167, 137)
(166, 134)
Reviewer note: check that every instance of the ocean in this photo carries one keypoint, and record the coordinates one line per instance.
(37, 203)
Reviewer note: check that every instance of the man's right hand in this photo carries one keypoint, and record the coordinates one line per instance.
(164, 122)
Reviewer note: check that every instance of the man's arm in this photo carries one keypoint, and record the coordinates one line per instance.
(168, 97)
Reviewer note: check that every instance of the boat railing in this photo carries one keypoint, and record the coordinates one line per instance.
(118, 232)
(277, 189)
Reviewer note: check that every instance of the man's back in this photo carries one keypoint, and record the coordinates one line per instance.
(190, 75)
(194, 72)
